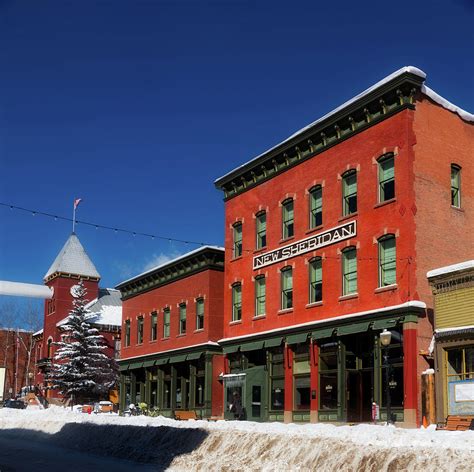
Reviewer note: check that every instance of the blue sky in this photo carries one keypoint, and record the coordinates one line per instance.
(137, 106)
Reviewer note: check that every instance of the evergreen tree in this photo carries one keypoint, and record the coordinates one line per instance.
(81, 370)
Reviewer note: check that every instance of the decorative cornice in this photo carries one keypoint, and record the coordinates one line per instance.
(70, 276)
(206, 259)
(381, 103)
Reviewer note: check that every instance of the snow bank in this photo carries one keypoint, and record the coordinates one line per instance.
(226, 445)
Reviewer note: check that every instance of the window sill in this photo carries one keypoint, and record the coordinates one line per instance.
(311, 305)
(165, 339)
(236, 258)
(285, 311)
(348, 297)
(153, 341)
(457, 208)
(181, 335)
(200, 330)
(347, 217)
(236, 322)
(312, 230)
(259, 317)
(285, 240)
(139, 344)
(261, 249)
(387, 202)
(387, 288)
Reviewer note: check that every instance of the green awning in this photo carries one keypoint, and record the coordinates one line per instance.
(176, 359)
(149, 363)
(297, 338)
(251, 346)
(273, 342)
(231, 349)
(162, 361)
(382, 324)
(123, 367)
(322, 333)
(353, 328)
(194, 355)
(136, 365)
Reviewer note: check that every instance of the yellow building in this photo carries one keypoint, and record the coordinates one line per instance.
(453, 341)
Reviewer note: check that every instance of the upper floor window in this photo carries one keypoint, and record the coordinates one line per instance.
(140, 330)
(236, 302)
(200, 313)
(237, 239)
(154, 326)
(387, 261)
(456, 186)
(127, 333)
(349, 193)
(182, 318)
(386, 178)
(315, 280)
(261, 229)
(286, 288)
(287, 218)
(349, 271)
(316, 206)
(166, 322)
(260, 295)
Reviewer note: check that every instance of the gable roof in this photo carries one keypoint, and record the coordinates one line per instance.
(72, 259)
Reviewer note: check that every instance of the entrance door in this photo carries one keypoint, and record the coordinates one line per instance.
(255, 402)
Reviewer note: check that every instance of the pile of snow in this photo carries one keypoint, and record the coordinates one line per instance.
(230, 445)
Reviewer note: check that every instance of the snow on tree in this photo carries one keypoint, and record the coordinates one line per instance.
(81, 371)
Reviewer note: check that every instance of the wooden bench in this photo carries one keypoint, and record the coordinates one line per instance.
(185, 415)
(458, 423)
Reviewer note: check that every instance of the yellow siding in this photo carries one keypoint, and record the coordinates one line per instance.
(454, 308)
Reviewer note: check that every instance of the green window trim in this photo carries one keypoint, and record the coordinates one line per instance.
(193, 356)
(166, 322)
(287, 217)
(349, 193)
(384, 324)
(353, 328)
(237, 302)
(140, 325)
(274, 342)
(200, 313)
(149, 363)
(237, 234)
(253, 346)
(455, 186)
(297, 338)
(387, 260)
(127, 334)
(182, 318)
(154, 326)
(261, 230)
(349, 271)
(162, 361)
(316, 207)
(322, 333)
(231, 349)
(178, 358)
(260, 295)
(386, 171)
(286, 288)
(315, 280)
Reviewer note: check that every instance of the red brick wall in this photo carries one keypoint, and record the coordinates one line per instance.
(207, 284)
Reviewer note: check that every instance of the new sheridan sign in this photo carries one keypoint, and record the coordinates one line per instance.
(331, 236)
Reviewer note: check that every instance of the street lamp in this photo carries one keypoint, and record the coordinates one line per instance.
(385, 338)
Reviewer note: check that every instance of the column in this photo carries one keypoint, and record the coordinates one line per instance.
(133, 387)
(288, 414)
(314, 382)
(410, 374)
(208, 385)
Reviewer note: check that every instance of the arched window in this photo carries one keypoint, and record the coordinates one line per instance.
(316, 206)
(387, 261)
(455, 186)
(386, 168)
(349, 193)
(349, 271)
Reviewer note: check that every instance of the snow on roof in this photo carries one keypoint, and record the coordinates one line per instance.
(38, 332)
(171, 262)
(310, 324)
(73, 259)
(407, 69)
(450, 269)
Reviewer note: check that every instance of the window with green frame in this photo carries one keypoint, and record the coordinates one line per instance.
(455, 186)
(200, 313)
(140, 330)
(328, 369)
(153, 326)
(237, 232)
(286, 288)
(316, 206)
(261, 230)
(182, 318)
(277, 379)
(301, 378)
(349, 193)
(260, 295)
(387, 260)
(127, 333)
(166, 322)
(236, 302)
(394, 353)
(287, 212)
(386, 166)
(349, 271)
(315, 280)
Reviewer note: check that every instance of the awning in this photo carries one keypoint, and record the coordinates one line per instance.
(149, 363)
(251, 346)
(231, 349)
(176, 359)
(123, 367)
(162, 361)
(382, 324)
(322, 333)
(136, 365)
(297, 338)
(353, 328)
(273, 342)
(194, 355)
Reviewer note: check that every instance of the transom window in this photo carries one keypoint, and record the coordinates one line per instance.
(236, 302)
(386, 178)
(456, 186)
(315, 280)
(154, 326)
(261, 229)
(288, 218)
(349, 271)
(182, 318)
(200, 313)
(260, 295)
(140, 330)
(286, 288)
(237, 239)
(166, 322)
(349, 193)
(387, 261)
(316, 206)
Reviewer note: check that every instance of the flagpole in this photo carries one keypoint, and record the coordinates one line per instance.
(73, 214)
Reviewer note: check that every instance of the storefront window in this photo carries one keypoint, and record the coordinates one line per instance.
(301, 378)
(395, 360)
(277, 380)
(328, 376)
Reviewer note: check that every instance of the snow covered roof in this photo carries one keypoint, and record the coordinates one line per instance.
(73, 259)
(450, 269)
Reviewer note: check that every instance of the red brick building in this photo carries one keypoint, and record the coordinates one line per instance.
(71, 265)
(333, 231)
(172, 319)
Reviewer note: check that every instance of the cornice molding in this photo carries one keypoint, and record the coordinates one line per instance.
(385, 101)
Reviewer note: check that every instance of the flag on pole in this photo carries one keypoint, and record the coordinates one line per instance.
(76, 202)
